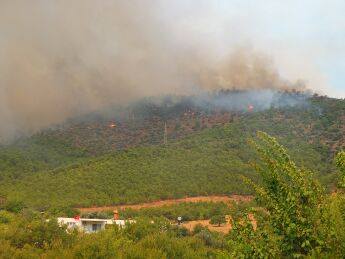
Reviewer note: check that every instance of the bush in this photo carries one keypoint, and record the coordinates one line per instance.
(218, 220)
(14, 206)
(5, 217)
(340, 162)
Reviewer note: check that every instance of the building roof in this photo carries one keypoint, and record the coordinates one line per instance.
(94, 220)
(67, 220)
(107, 221)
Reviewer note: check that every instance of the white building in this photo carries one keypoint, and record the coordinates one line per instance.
(90, 225)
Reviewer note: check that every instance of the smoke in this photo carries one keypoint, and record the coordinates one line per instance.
(246, 69)
(253, 100)
(61, 58)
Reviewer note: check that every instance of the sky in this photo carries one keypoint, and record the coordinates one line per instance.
(313, 29)
(305, 38)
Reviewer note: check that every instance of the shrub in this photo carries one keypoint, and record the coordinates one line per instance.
(218, 220)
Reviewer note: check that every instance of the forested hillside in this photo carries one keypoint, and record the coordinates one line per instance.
(206, 155)
(30, 155)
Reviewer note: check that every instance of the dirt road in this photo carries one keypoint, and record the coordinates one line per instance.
(236, 198)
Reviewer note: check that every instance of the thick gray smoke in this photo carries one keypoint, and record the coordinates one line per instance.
(60, 58)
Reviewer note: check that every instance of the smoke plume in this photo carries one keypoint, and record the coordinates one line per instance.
(61, 58)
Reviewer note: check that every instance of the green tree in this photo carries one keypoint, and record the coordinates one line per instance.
(340, 162)
(14, 205)
(245, 242)
(292, 198)
(218, 220)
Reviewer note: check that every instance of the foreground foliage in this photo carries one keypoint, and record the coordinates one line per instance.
(291, 196)
(299, 219)
(340, 161)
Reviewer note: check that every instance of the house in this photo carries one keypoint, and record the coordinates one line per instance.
(91, 225)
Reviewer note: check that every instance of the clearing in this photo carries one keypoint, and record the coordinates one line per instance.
(223, 228)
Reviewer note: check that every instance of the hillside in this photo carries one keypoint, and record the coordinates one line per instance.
(319, 120)
(51, 170)
(37, 153)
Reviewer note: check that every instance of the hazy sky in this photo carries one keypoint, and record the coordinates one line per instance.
(306, 38)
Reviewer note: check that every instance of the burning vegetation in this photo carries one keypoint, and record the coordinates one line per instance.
(149, 121)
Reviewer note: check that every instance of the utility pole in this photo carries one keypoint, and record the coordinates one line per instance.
(165, 134)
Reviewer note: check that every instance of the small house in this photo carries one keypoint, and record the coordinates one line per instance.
(91, 225)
